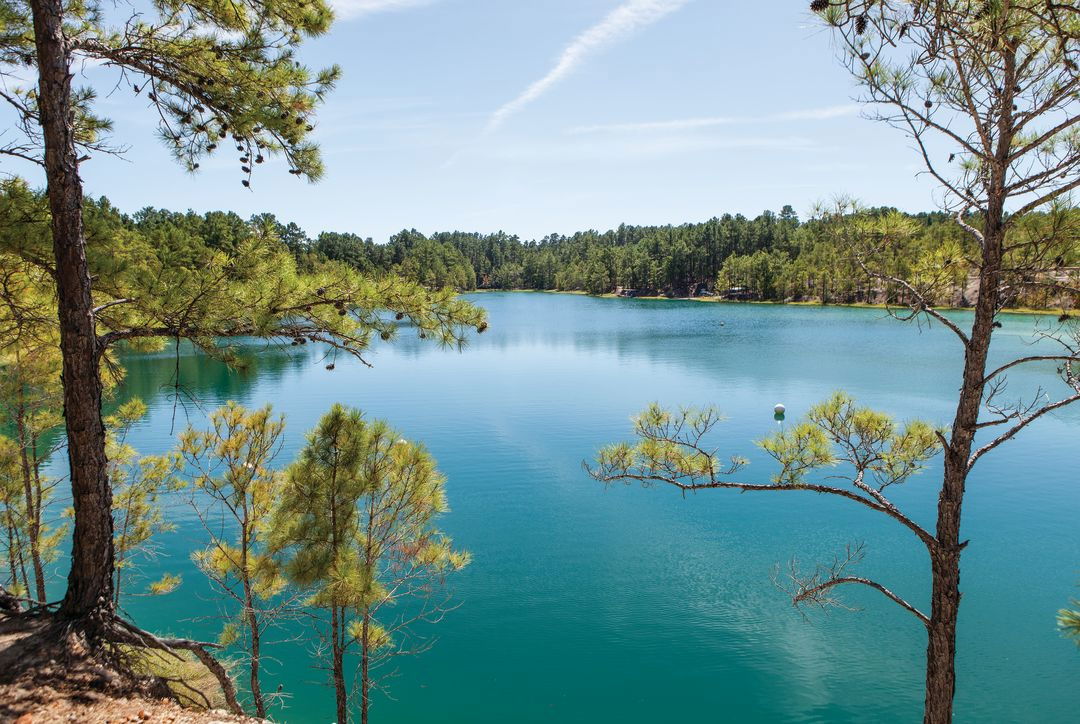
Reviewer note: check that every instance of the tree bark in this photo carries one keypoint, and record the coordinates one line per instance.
(945, 553)
(941, 645)
(89, 592)
(256, 689)
(365, 664)
(253, 623)
(342, 694)
(33, 511)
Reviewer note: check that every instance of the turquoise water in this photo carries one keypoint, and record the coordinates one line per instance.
(586, 604)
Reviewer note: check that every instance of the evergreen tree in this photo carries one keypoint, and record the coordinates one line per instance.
(13, 518)
(994, 81)
(138, 485)
(355, 525)
(233, 492)
(30, 399)
(210, 74)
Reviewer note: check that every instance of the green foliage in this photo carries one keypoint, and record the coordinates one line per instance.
(1069, 622)
(871, 441)
(871, 449)
(234, 493)
(214, 278)
(771, 257)
(355, 528)
(800, 450)
(30, 397)
(13, 519)
(215, 73)
(139, 483)
(670, 449)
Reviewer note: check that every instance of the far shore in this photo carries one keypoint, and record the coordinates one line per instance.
(717, 300)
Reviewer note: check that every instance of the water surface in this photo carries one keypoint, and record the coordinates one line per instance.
(586, 604)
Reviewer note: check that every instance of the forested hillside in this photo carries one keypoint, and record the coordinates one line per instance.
(773, 256)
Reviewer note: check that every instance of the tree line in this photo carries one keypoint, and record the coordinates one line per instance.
(771, 257)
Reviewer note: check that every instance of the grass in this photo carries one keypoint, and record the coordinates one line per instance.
(194, 685)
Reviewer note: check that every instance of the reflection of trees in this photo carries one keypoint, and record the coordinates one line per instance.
(193, 376)
(742, 344)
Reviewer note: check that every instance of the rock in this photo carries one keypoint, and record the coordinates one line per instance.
(26, 718)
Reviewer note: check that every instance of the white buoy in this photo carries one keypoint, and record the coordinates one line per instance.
(779, 409)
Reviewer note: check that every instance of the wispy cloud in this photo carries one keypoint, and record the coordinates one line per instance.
(624, 20)
(689, 124)
(625, 150)
(352, 9)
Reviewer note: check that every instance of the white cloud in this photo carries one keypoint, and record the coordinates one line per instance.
(352, 9)
(688, 124)
(628, 18)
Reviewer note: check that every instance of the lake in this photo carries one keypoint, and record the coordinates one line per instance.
(586, 604)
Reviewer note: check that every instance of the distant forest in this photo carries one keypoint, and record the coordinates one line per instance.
(773, 256)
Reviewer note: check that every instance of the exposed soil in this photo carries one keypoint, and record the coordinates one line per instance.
(44, 681)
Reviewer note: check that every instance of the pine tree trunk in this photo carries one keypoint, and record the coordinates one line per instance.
(33, 513)
(256, 645)
(365, 673)
(22, 564)
(11, 552)
(249, 613)
(945, 554)
(337, 624)
(89, 593)
(941, 646)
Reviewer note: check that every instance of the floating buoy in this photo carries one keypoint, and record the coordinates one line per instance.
(778, 412)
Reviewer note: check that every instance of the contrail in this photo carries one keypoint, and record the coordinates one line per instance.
(685, 124)
(619, 23)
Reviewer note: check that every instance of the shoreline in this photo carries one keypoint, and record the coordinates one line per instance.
(714, 300)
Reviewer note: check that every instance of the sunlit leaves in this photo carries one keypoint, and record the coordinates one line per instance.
(872, 441)
(1069, 622)
(867, 447)
(217, 74)
(166, 584)
(232, 479)
(799, 450)
(139, 485)
(356, 528)
(166, 282)
(13, 542)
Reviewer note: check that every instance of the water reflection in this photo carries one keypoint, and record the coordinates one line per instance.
(586, 604)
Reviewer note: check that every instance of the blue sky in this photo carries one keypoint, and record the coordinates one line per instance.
(541, 116)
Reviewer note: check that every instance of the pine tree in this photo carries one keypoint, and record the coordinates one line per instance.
(211, 75)
(13, 518)
(30, 398)
(215, 77)
(234, 491)
(355, 525)
(997, 83)
(139, 482)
